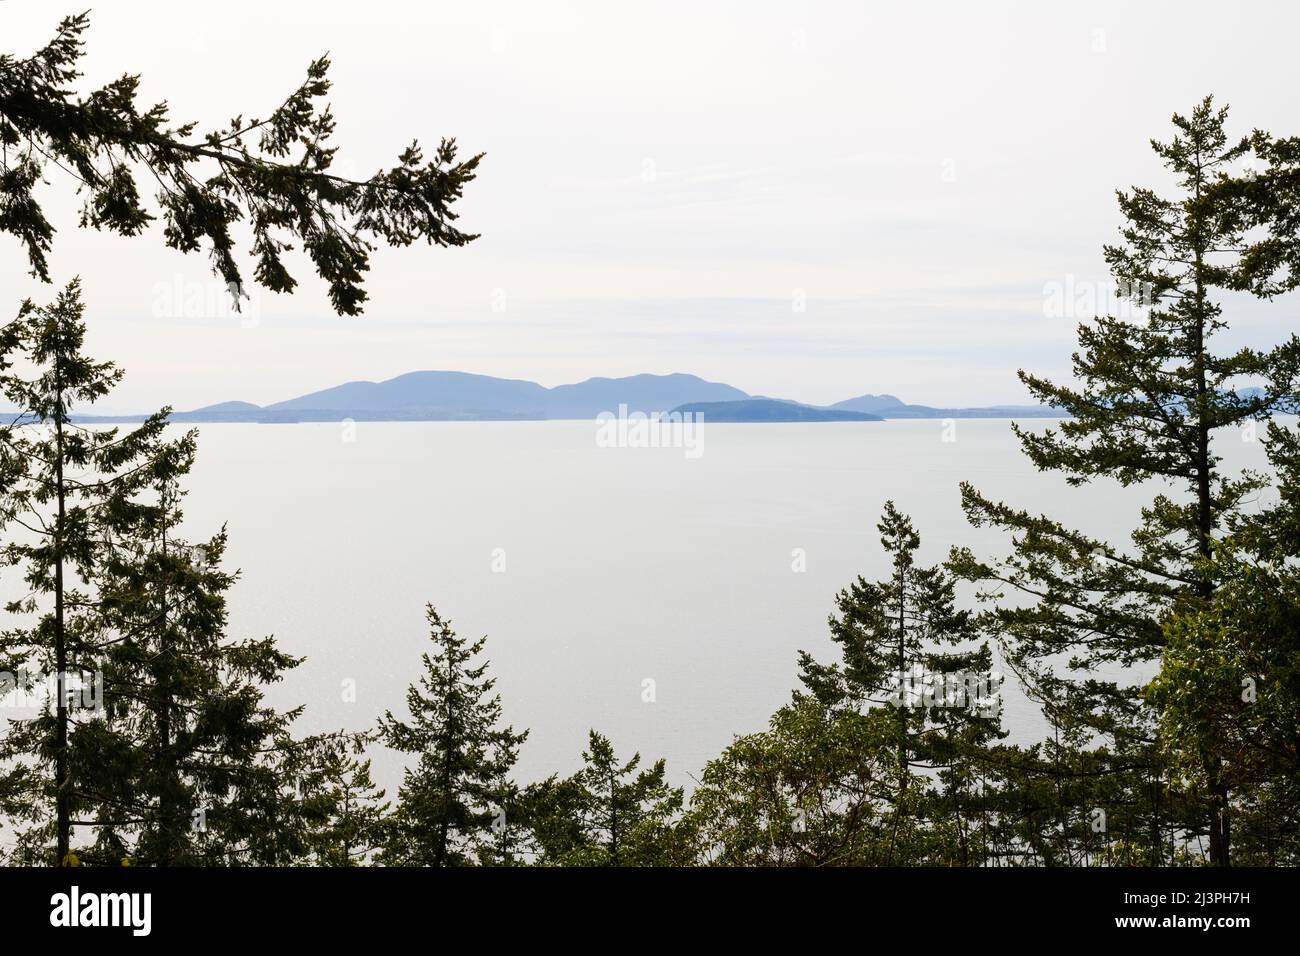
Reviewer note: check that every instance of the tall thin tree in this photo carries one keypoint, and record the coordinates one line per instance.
(445, 806)
(1150, 393)
(58, 482)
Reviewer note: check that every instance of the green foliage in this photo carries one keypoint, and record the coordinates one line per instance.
(271, 176)
(872, 764)
(202, 761)
(1151, 393)
(609, 813)
(61, 488)
(1228, 694)
(185, 763)
(447, 801)
(347, 813)
(818, 788)
(174, 758)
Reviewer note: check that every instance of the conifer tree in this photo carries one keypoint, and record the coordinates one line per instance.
(905, 644)
(446, 808)
(1228, 690)
(178, 761)
(1150, 393)
(59, 483)
(347, 813)
(846, 773)
(208, 773)
(610, 813)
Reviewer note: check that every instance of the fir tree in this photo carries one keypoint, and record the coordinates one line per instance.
(208, 773)
(59, 484)
(905, 644)
(1151, 392)
(1228, 690)
(446, 808)
(512, 840)
(347, 812)
(178, 761)
(610, 813)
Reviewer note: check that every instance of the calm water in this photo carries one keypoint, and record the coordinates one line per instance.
(620, 565)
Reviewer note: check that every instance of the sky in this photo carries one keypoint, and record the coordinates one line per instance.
(804, 200)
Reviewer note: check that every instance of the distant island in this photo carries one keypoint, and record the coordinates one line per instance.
(462, 396)
(771, 410)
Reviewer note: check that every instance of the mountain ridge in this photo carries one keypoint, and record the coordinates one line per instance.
(771, 410)
(443, 395)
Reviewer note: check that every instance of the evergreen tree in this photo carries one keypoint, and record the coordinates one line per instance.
(1228, 691)
(610, 813)
(1151, 392)
(348, 814)
(446, 806)
(904, 644)
(178, 761)
(207, 772)
(880, 759)
(59, 483)
(274, 175)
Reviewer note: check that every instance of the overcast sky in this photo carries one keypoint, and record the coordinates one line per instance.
(807, 200)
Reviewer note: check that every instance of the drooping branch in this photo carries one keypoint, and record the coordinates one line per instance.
(272, 175)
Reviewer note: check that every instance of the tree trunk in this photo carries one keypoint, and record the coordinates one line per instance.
(61, 795)
(448, 791)
(902, 666)
(1220, 824)
(162, 680)
(1219, 830)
